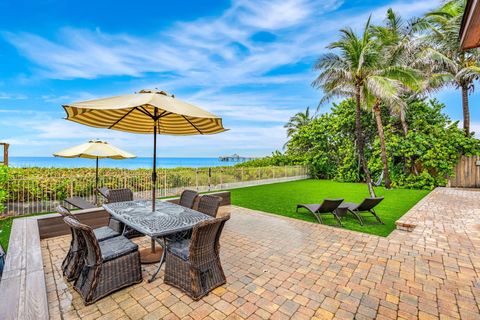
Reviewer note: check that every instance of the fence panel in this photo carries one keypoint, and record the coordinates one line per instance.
(38, 193)
(467, 173)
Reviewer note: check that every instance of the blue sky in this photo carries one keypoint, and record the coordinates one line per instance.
(247, 61)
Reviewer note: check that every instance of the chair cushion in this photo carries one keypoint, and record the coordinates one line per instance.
(180, 248)
(116, 247)
(105, 233)
(115, 225)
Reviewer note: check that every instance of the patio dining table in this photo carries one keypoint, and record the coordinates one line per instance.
(167, 219)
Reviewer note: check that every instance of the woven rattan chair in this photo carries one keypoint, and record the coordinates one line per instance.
(108, 266)
(187, 198)
(209, 205)
(101, 233)
(120, 195)
(193, 265)
(367, 205)
(328, 206)
(73, 262)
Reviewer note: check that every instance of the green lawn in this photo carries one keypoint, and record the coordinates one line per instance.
(282, 199)
(5, 228)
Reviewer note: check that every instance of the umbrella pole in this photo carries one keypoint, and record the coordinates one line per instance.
(154, 174)
(96, 182)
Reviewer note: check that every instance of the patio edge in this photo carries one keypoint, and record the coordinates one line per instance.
(24, 276)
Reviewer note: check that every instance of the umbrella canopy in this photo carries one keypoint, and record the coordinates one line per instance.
(95, 149)
(136, 113)
(148, 111)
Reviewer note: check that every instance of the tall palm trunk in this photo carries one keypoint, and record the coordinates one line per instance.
(383, 148)
(361, 143)
(466, 111)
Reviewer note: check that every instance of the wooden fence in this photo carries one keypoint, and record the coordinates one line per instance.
(467, 173)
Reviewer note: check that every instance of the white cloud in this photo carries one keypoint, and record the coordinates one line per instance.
(214, 55)
(45, 133)
(12, 96)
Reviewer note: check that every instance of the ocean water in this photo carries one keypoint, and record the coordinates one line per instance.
(49, 162)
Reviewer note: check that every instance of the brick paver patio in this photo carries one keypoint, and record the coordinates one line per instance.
(280, 268)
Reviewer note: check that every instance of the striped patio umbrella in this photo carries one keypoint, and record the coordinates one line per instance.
(148, 111)
(95, 149)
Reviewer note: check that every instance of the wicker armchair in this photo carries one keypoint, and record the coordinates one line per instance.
(120, 195)
(193, 265)
(73, 262)
(209, 205)
(108, 266)
(187, 198)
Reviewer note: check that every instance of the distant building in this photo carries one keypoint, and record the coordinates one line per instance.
(235, 158)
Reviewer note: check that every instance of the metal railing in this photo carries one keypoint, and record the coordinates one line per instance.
(37, 194)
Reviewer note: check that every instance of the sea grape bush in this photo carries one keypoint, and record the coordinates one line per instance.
(3, 181)
(422, 159)
(44, 184)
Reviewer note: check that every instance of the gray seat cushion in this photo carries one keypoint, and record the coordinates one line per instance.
(180, 248)
(104, 233)
(116, 247)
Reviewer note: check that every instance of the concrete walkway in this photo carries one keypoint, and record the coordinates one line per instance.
(280, 268)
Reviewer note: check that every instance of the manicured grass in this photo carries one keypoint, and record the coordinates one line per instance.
(5, 229)
(282, 199)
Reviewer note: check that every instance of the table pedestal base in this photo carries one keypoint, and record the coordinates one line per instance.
(147, 256)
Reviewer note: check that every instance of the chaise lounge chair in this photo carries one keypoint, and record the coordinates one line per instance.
(103, 191)
(327, 206)
(80, 203)
(367, 205)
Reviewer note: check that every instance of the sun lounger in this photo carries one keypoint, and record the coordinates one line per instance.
(103, 192)
(80, 203)
(367, 205)
(328, 206)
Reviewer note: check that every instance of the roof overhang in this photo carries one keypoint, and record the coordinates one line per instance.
(470, 28)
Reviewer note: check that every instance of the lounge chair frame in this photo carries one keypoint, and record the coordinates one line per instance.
(367, 205)
(328, 206)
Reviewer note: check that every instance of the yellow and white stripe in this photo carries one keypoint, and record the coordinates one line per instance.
(136, 112)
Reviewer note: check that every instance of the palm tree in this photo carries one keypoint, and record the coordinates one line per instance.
(299, 120)
(392, 79)
(402, 49)
(451, 65)
(345, 74)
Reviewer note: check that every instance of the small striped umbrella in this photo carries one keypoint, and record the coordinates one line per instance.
(95, 149)
(148, 111)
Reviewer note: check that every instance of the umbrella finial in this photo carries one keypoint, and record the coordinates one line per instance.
(157, 91)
